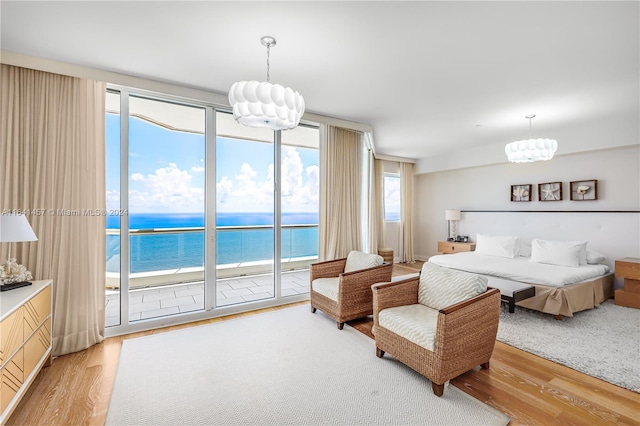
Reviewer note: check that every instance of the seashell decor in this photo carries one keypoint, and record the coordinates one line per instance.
(520, 192)
(582, 189)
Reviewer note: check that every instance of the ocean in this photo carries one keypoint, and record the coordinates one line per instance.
(186, 249)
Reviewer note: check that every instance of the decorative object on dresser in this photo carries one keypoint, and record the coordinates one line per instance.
(629, 269)
(521, 192)
(14, 228)
(25, 341)
(550, 191)
(583, 190)
(452, 215)
(450, 247)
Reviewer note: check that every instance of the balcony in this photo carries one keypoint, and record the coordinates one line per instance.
(167, 272)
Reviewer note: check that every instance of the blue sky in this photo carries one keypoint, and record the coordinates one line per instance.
(166, 172)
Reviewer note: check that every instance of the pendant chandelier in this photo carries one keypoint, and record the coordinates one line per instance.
(527, 151)
(262, 104)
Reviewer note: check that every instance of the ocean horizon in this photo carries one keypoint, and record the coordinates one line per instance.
(186, 250)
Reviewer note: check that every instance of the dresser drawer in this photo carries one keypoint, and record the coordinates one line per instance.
(12, 378)
(36, 311)
(448, 247)
(11, 334)
(37, 346)
(628, 268)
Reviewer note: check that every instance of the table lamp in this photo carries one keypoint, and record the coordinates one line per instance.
(452, 215)
(14, 228)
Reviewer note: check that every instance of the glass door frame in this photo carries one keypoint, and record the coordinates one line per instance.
(210, 276)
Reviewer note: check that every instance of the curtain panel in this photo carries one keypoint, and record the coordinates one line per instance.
(340, 192)
(52, 167)
(376, 205)
(406, 211)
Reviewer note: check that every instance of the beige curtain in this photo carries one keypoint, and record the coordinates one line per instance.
(376, 206)
(406, 212)
(52, 163)
(340, 192)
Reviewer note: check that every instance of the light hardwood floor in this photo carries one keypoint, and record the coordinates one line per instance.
(76, 388)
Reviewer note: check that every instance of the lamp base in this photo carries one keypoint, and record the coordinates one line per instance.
(11, 286)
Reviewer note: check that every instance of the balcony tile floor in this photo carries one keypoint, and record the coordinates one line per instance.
(178, 298)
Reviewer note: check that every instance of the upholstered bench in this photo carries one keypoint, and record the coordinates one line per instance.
(512, 291)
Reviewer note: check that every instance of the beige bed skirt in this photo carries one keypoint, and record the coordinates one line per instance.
(569, 299)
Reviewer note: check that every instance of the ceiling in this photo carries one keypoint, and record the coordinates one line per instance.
(431, 78)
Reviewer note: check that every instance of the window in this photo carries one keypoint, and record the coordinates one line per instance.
(391, 188)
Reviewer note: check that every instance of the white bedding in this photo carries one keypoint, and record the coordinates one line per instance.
(520, 269)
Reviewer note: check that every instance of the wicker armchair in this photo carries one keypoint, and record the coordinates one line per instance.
(342, 295)
(462, 336)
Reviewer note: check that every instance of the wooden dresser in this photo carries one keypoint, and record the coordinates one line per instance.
(629, 269)
(450, 247)
(25, 341)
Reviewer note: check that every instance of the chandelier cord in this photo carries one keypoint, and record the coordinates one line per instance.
(268, 63)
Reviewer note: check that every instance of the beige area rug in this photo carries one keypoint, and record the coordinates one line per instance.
(603, 342)
(288, 367)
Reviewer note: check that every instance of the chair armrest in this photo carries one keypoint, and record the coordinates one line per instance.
(468, 328)
(357, 284)
(453, 308)
(327, 269)
(392, 294)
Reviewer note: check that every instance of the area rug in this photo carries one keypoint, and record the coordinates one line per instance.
(603, 342)
(288, 367)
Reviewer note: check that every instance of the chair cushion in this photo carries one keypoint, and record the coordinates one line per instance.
(357, 260)
(441, 287)
(328, 287)
(416, 323)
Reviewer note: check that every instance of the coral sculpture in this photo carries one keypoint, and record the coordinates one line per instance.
(12, 272)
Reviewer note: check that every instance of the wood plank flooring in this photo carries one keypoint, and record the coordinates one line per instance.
(76, 389)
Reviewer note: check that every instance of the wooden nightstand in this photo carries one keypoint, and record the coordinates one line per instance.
(629, 269)
(450, 247)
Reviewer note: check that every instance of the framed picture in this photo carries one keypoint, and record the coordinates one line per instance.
(584, 190)
(521, 192)
(550, 191)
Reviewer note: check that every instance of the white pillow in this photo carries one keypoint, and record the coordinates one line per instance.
(357, 260)
(525, 250)
(594, 257)
(561, 253)
(441, 287)
(493, 245)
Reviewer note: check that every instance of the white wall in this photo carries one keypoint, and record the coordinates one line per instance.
(488, 188)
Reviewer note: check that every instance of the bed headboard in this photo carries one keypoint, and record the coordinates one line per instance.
(614, 234)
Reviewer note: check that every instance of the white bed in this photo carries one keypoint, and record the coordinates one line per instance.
(560, 290)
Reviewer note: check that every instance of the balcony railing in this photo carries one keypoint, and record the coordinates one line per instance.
(170, 255)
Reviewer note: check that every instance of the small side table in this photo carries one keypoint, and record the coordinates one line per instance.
(629, 269)
(450, 247)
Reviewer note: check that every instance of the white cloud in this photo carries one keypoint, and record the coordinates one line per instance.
(197, 169)
(299, 187)
(168, 189)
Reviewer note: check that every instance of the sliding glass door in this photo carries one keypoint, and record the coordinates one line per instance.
(245, 203)
(212, 217)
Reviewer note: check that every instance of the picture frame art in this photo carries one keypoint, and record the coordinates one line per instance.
(584, 190)
(550, 191)
(521, 192)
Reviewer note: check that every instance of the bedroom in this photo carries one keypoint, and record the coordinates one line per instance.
(584, 92)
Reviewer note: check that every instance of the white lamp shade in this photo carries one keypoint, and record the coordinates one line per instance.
(531, 150)
(15, 228)
(452, 214)
(262, 104)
